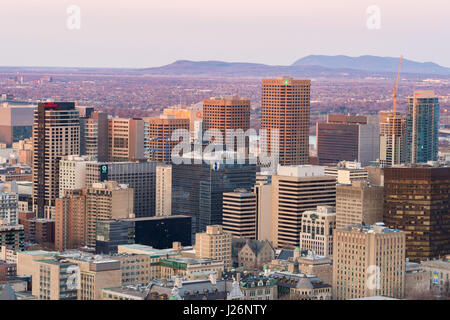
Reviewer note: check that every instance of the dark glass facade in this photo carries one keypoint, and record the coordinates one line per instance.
(422, 129)
(111, 233)
(197, 190)
(161, 232)
(417, 201)
(337, 142)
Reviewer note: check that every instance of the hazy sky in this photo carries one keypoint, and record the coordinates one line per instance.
(147, 33)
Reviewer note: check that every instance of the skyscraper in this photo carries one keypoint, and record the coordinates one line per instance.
(163, 190)
(417, 201)
(194, 113)
(105, 201)
(347, 137)
(72, 173)
(56, 133)
(422, 127)
(239, 213)
(158, 133)
(16, 122)
(225, 114)
(296, 189)
(126, 139)
(138, 175)
(94, 136)
(392, 139)
(70, 220)
(197, 189)
(285, 107)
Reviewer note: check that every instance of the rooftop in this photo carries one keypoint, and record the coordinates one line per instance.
(375, 228)
(301, 171)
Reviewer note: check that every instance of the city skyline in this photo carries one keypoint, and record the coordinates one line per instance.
(320, 178)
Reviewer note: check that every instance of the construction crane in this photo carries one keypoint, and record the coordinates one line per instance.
(394, 95)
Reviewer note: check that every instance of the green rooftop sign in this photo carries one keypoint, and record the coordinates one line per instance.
(286, 82)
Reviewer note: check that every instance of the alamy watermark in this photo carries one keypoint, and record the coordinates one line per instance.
(237, 147)
(374, 20)
(74, 279)
(73, 21)
(374, 279)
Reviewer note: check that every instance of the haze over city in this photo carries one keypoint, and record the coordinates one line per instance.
(140, 34)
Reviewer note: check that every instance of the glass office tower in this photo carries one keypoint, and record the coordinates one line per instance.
(422, 127)
(197, 189)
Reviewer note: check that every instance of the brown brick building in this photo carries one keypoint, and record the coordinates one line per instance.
(70, 220)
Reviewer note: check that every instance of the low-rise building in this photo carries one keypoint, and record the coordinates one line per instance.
(125, 293)
(439, 271)
(212, 289)
(301, 286)
(317, 230)
(254, 254)
(417, 280)
(190, 268)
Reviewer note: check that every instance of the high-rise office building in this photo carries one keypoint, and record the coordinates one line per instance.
(417, 201)
(264, 220)
(197, 188)
(163, 190)
(285, 107)
(368, 261)
(392, 139)
(347, 137)
(94, 136)
(194, 113)
(105, 201)
(72, 173)
(214, 244)
(239, 213)
(16, 122)
(56, 133)
(317, 231)
(225, 114)
(422, 127)
(139, 175)
(126, 139)
(296, 189)
(158, 133)
(358, 203)
(70, 220)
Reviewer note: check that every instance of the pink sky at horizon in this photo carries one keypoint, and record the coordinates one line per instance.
(148, 33)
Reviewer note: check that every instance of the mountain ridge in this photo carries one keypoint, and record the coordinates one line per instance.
(372, 63)
(312, 65)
